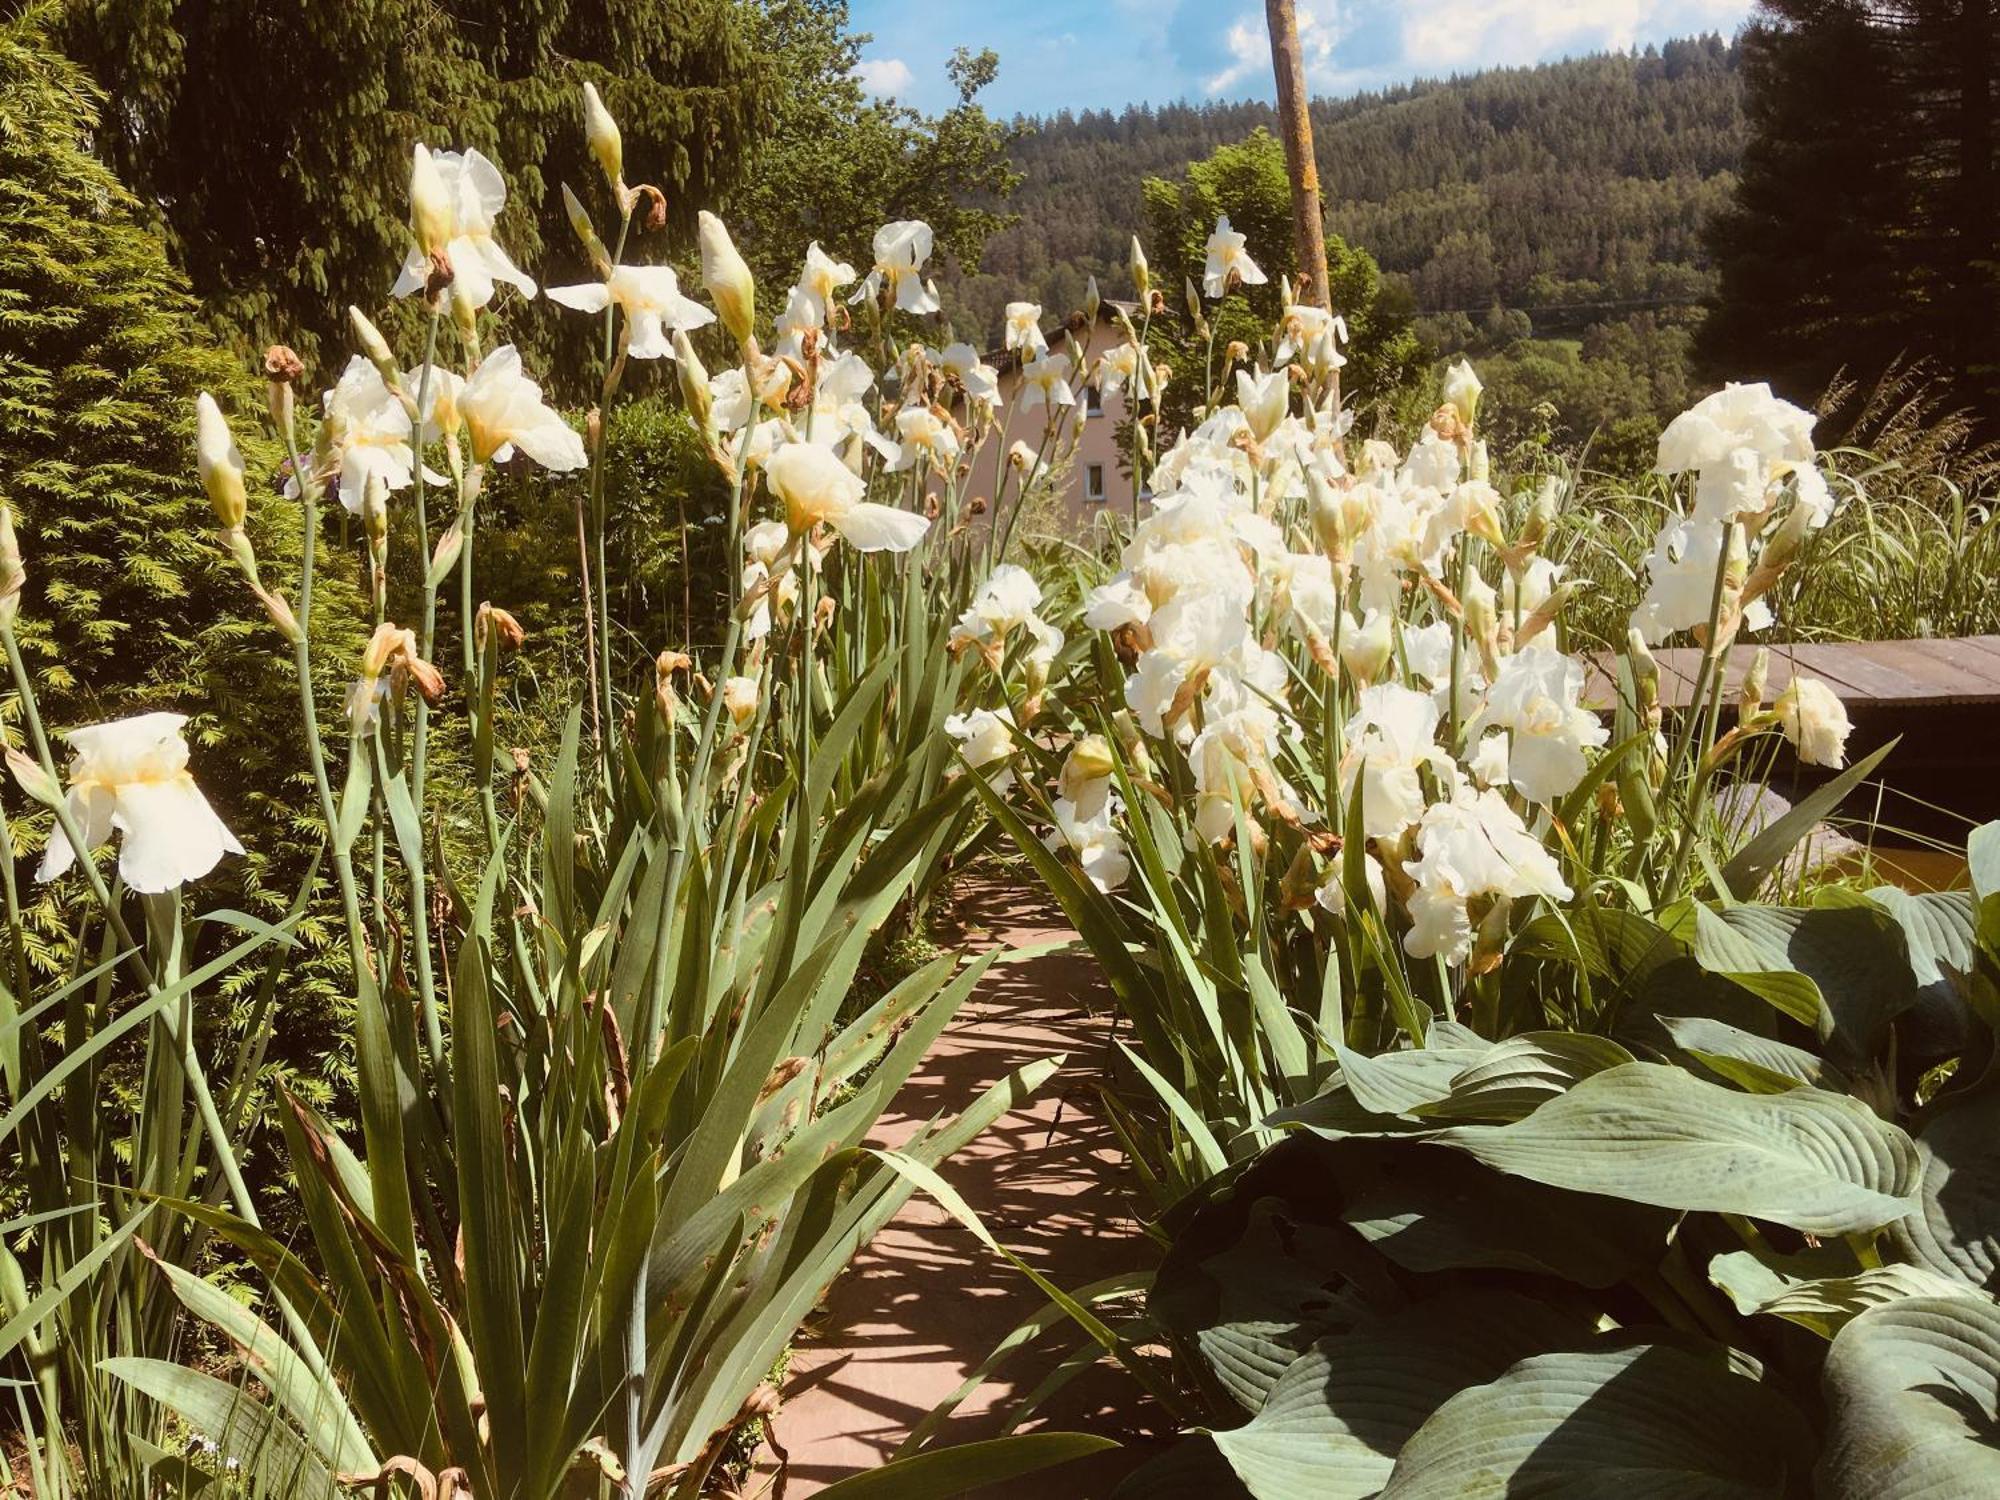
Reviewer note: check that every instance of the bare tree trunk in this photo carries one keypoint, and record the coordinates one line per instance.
(1296, 126)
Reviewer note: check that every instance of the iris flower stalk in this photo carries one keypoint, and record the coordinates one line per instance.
(381, 1119)
(614, 370)
(176, 1018)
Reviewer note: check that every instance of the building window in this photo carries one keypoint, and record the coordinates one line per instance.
(1093, 482)
(1093, 401)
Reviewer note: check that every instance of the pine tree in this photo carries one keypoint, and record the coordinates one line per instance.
(1814, 256)
(131, 603)
(1949, 61)
(1865, 231)
(277, 148)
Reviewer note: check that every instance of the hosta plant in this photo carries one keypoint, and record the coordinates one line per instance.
(1739, 1241)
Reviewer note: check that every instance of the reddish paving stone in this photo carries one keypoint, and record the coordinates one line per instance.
(925, 1302)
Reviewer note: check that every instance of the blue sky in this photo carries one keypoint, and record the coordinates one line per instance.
(1079, 54)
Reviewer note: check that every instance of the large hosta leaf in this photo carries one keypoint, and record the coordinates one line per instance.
(1682, 987)
(1750, 1278)
(1824, 1303)
(1982, 860)
(1260, 1266)
(1335, 1113)
(1304, 1244)
(1404, 1082)
(1939, 927)
(1852, 960)
(1644, 1423)
(1281, 1286)
(1955, 1230)
(1192, 1469)
(1391, 1093)
(1428, 1208)
(1749, 1061)
(1723, 950)
(1828, 1306)
(1337, 1418)
(1816, 1161)
(1514, 1077)
(1913, 1397)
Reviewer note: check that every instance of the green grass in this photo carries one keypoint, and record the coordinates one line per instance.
(1907, 555)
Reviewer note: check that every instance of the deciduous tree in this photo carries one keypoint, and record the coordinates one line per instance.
(1247, 182)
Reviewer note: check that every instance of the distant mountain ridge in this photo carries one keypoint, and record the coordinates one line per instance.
(1574, 192)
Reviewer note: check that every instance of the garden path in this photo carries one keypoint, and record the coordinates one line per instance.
(925, 1302)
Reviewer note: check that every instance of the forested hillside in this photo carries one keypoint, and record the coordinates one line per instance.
(1562, 202)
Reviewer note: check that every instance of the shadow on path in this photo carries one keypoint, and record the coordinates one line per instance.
(925, 1302)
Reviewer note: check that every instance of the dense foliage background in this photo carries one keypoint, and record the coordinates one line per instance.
(127, 607)
(283, 192)
(282, 195)
(1867, 234)
(1606, 235)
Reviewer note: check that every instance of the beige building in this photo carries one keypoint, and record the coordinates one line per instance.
(1098, 477)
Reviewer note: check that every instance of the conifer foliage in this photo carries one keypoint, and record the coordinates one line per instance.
(129, 604)
(277, 147)
(1866, 228)
(1574, 191)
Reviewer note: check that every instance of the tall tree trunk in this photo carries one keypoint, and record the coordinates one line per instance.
(1296, 125)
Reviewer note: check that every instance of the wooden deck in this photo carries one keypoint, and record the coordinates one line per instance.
(1867, 676)
(1942, 697)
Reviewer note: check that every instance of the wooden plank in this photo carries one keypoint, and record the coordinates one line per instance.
(1863, 682)
(1679, 666)
(1988, 645)
(1938, 697)
(1942, 673)
(1865, 675)
(1876, 658)
(1600, 684)
(1783, 664)
(1829, 666)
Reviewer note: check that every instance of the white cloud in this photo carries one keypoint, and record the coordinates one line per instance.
(883, 75)
(1462, 34)
(1249, 48)
(1323, 26)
